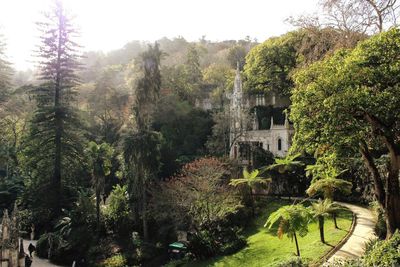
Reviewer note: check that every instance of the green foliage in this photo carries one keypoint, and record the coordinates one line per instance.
(321, 210)
(237, 55)
(210, 242)
(5, 72)
(185, 130)
(115, 261)
(141, 148)
(292, 262)
(218, 143)
(198, 196)
(332, 97)
(328, 186)
(73, 234)
(250, 179)
(285, 164)
(53, 149)
(263, 249)
(380, 226)
(185, 80)
(384, 253)
(292, 219)
(324, 208)
(268, 65)
(117, 212)
(220, 79)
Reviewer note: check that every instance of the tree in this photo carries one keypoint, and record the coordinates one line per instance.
(251, 180)
(292, 219)
(107, 103)
(5, 72)
(198, 197)
(269, 64)
(118, 212)
(322, 209)
(363, 16)
(142, 145)
(348, 104)
(54, 144)
(285, 164)
(220, 78)
(237, 55)
(99, 157)
(328, 185)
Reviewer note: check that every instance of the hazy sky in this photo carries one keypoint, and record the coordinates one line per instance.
(109, 24)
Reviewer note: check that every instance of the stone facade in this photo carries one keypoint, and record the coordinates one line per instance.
(11, 246)
(250, 128)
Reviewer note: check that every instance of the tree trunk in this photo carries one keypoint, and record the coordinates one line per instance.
(390, 199)
(334, 220)
(98, 209)
(144, 211)
(392, 212)
(297, 244)
(252, 203)
(56, 182)
(321, 221)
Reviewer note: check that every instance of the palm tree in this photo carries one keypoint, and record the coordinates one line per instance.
(325, 182)
(284, 164)
(292, 219)
(251, 180)
(328, 186)
(100, 166)
(322, 209)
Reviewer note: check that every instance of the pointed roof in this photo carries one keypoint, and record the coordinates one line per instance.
(238, 80)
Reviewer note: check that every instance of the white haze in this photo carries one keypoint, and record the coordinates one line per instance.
(109, 24)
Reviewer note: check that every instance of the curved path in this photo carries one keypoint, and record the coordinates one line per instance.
(363, 232)
(36, 261)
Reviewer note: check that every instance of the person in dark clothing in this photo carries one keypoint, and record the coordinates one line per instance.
(31, 248)
(28, 261)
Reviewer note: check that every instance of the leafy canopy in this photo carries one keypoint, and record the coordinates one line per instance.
(291, 219)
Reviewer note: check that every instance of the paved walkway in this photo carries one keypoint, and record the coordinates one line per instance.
(36, 261)
(363, 232)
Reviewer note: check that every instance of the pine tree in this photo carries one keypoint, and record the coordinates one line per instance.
(142, 146)
(54, 142)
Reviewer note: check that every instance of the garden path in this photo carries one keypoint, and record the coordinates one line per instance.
(363, 232)
(36, 261)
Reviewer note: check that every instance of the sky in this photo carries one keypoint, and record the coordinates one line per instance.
(109, 24)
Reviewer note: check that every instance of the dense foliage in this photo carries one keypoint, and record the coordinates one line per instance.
(348, 104)
(155, 121)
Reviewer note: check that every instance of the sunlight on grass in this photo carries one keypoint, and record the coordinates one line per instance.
(264, 247)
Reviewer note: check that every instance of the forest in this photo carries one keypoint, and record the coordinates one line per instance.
(124, 158)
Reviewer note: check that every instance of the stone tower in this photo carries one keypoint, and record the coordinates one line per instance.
(236, 113)
(11, 247)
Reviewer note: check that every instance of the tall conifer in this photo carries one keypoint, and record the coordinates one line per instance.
(54, 137)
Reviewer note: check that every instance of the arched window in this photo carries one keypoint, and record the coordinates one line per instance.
(279, 144)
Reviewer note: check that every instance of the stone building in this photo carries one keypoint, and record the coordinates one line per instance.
(11, 246)
(258, 120)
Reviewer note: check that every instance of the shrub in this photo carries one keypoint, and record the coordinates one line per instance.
(117, 260)
(117, 212)
(42, 246)
(220, 241)
(384, 253)
(25, 217)
(292, 262)
(380, 226)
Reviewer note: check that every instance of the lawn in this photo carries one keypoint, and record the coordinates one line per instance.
(266, 249)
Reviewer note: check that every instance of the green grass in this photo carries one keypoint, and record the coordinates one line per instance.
(266, 249)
